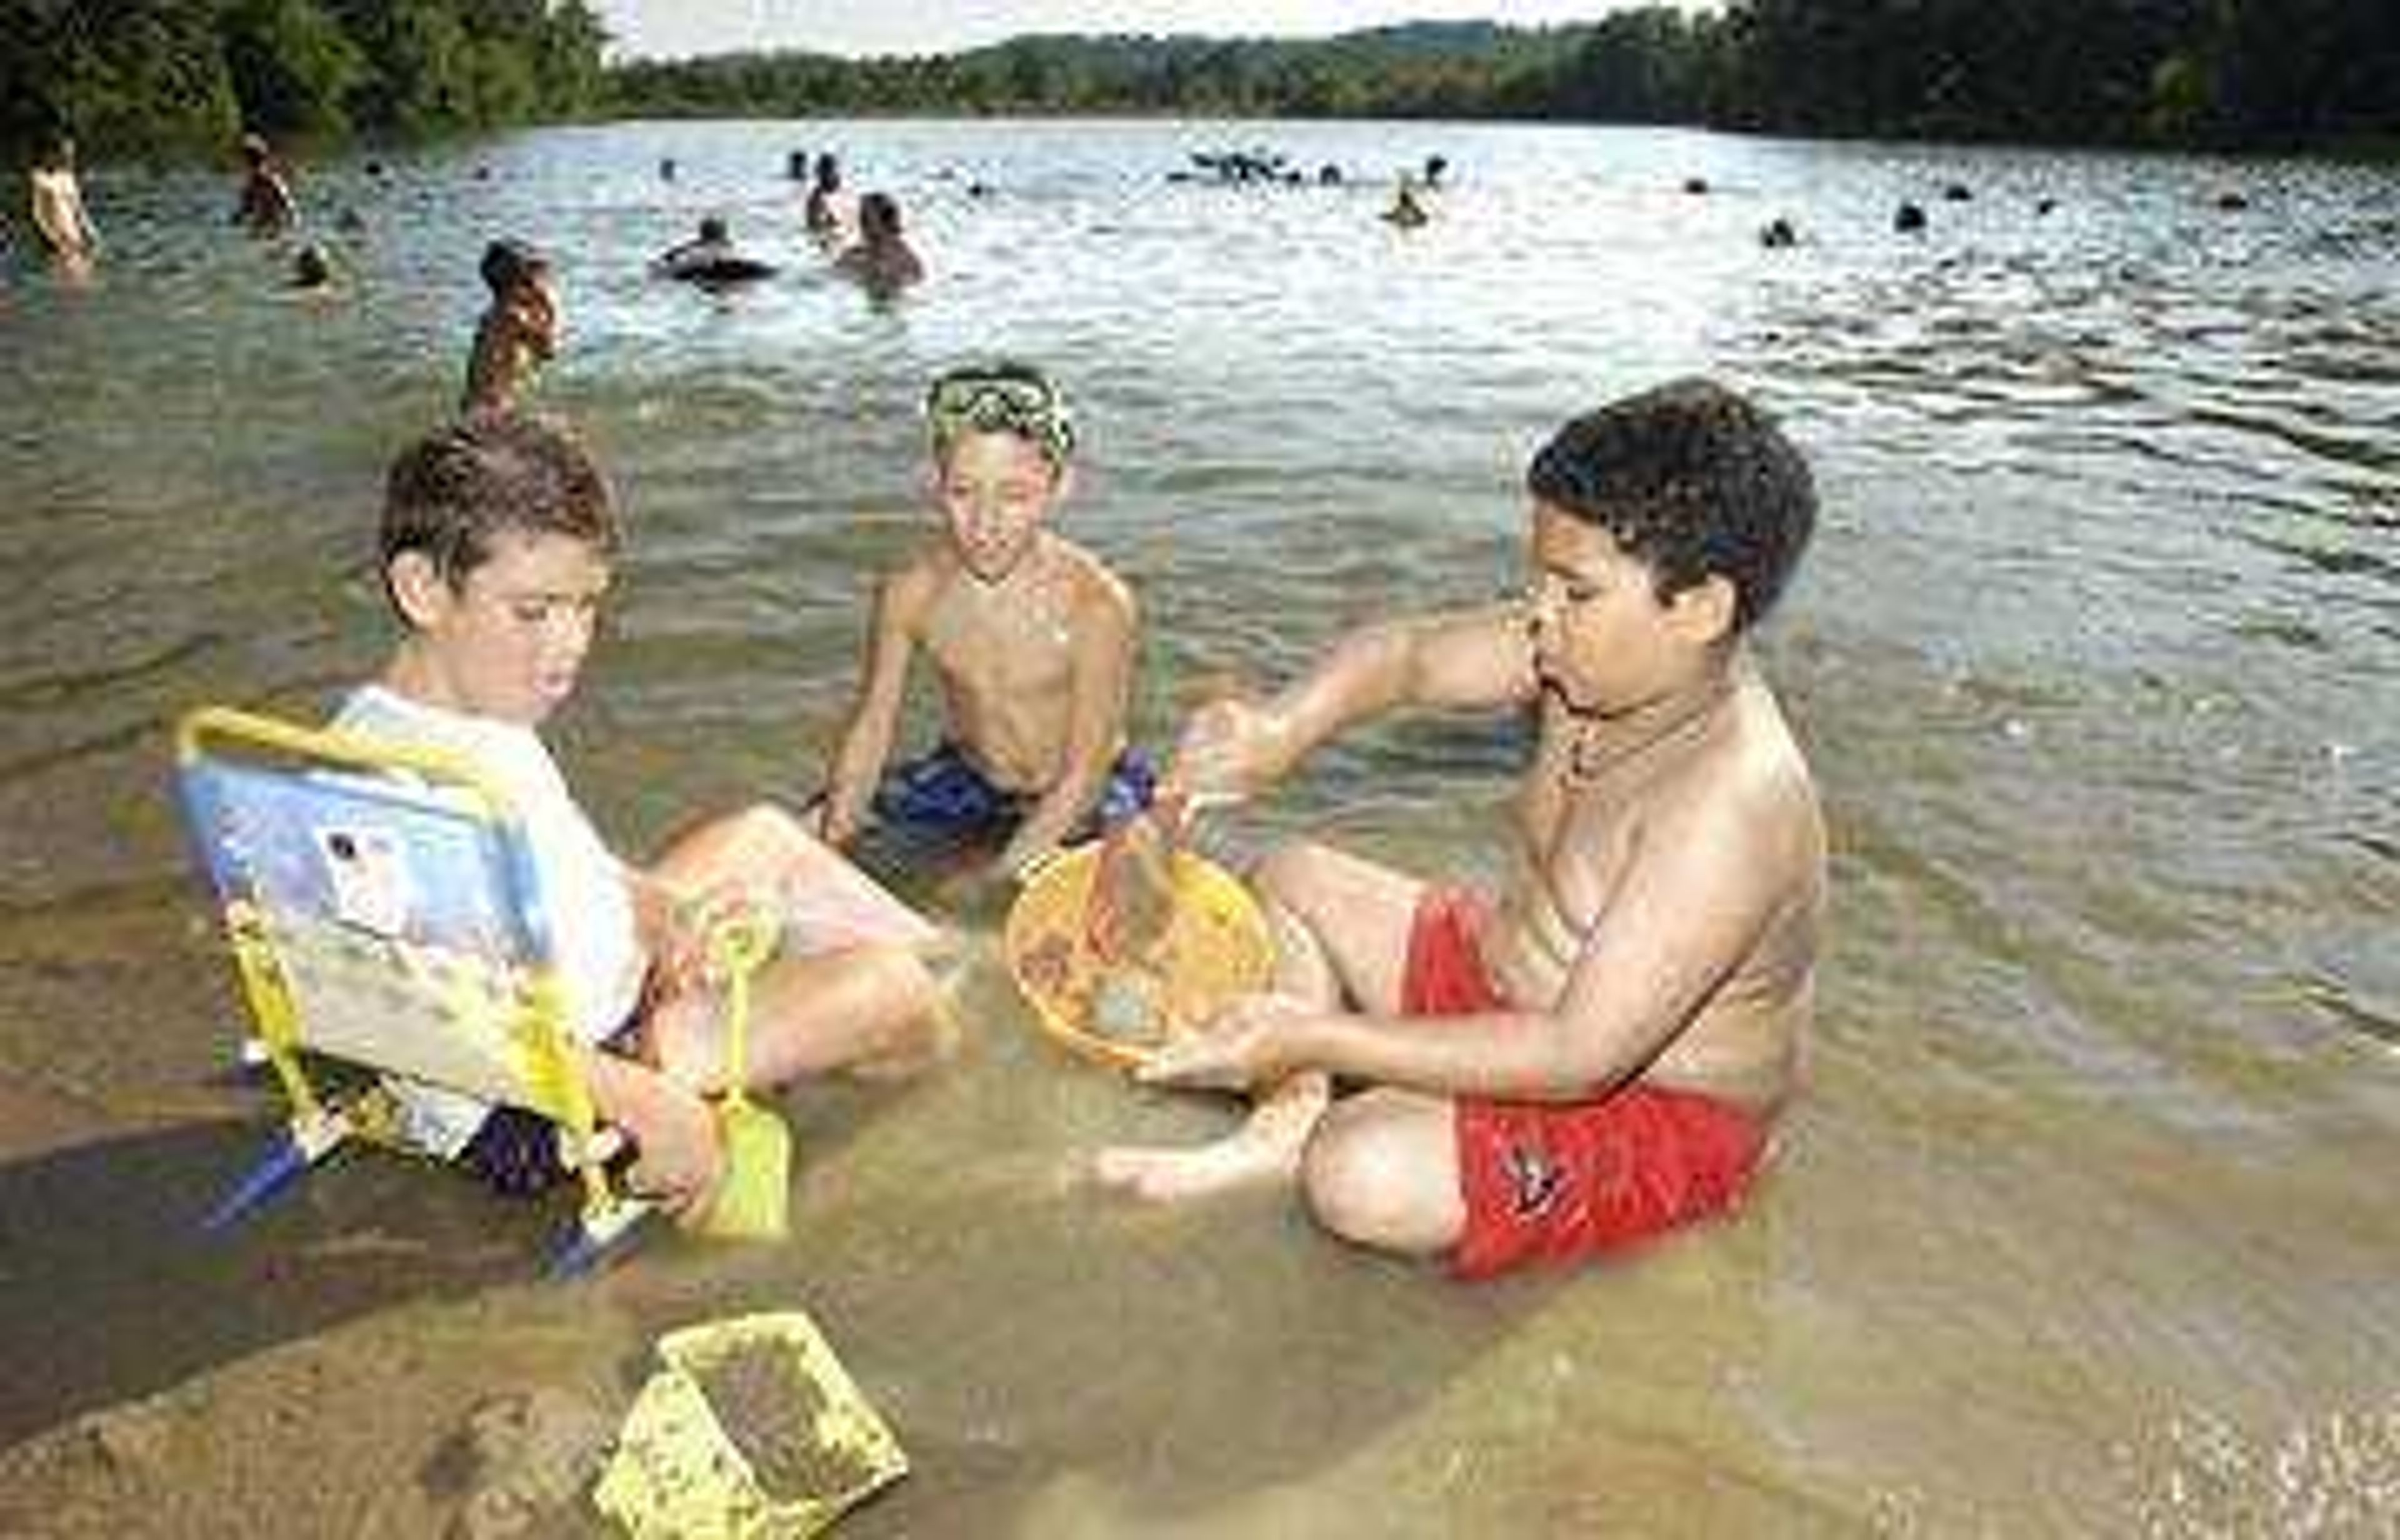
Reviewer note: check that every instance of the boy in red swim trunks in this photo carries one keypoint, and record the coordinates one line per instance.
(1623, 1021)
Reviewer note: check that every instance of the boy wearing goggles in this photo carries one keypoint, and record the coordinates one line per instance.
(1029, 637)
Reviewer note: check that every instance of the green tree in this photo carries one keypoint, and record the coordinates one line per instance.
(292, 66)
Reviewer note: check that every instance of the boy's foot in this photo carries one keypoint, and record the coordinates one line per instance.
(1179, 1173)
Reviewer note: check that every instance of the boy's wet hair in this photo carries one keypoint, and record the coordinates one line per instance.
(879, 213)
(1692, 481)
(510, 263)
(453, 494)
(1001, 397)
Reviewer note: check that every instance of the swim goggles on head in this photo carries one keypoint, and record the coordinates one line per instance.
(1001, 404)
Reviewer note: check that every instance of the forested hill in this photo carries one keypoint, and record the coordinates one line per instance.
(2197, 72)
(187, 75)
(167, 74)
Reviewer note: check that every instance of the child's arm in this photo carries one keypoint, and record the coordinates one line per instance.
(680, 1162)
(1458, 659)
(1701, 888)
(867, 743)
(1102, 688)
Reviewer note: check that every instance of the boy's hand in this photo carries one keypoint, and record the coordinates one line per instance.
(1244, 1045)
(681, 1161)
(823, 819)
(1228, 753)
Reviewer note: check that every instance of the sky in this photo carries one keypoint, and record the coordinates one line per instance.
(675, 29)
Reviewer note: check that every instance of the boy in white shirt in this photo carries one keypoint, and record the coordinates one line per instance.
(497, 537)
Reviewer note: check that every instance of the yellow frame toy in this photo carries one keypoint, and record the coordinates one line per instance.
(382, 909)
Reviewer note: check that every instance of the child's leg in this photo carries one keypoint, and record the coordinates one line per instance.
(1353, 919)
(1381, 1171)
(854, 996)
(1341, 925)
(763, 848)
(872, 1009)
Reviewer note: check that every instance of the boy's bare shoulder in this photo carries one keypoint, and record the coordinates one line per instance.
(1098, 589)
(1752, 791)
(910, 589)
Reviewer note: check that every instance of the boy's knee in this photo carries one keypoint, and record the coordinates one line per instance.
(767, 829)
(1291, 872)
(919, 1028)
(1368, 1174)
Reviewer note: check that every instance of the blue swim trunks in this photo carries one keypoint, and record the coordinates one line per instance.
(942, 792)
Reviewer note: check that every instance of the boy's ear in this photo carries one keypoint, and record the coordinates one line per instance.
(1062, 486)
(1705, 611)
(419, 589)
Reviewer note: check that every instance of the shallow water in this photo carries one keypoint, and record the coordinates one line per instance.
(2086, 1227)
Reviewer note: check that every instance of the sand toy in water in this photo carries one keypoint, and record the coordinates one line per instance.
(1123, 944)
(751, 1430)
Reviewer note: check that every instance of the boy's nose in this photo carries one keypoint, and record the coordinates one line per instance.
(571, 634)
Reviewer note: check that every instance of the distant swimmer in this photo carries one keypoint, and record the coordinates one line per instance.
(824, 208)
(709, 259)
(60, 217)
(519, 332)
(882, 260)
(1407, 211)
(313, 270)
(264, 206)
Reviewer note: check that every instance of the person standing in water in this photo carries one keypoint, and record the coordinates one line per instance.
(881, 261)
(57, 210)
(823, 208)
(519, 331)
(264, 206)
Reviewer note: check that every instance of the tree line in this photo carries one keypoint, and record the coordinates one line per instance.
(2236, 73)
(175, 76)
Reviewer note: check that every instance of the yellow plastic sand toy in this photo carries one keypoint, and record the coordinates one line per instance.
(752, 1431)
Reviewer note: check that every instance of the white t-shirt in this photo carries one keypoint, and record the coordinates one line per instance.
(583, 885)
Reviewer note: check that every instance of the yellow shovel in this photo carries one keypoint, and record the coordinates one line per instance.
(753, 1201)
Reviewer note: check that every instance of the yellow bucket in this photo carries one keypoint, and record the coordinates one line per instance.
(1217, 946)
(752, 1431)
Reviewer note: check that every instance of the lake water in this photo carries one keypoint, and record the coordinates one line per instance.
(2087, 1226)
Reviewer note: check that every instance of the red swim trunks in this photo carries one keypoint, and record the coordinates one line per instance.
(1546, 1182)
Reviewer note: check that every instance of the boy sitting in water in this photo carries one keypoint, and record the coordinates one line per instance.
(1628, 1017)
(519, 330)
(497, 537)
(1031, 638)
